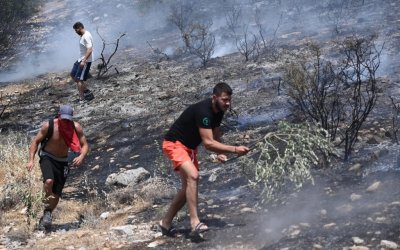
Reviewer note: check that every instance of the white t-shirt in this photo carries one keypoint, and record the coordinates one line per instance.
(85, 43)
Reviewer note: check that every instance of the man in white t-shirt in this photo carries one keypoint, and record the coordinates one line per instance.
(80, 70)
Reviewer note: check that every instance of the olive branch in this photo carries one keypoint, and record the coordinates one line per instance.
(285, 157)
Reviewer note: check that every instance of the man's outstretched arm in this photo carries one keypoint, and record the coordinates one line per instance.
(213, 145)
(35, 144)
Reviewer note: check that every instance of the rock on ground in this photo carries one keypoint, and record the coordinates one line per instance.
(389, 244)
(125, 178)
(358, 248)
(374, 186)
(357, 240)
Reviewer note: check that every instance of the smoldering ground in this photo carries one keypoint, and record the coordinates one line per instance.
(327, 214)
(323, 214)
(53, 46)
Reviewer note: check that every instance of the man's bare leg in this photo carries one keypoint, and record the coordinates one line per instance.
(191, 174)
(81, 89)
(51, 198)
(177, 203)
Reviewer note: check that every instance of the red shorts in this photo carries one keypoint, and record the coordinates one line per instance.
(179, 153)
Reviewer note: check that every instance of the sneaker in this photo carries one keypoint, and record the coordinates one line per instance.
(88, 95)
(45, 221)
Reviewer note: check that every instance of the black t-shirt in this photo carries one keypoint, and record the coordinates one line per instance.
(186, 127)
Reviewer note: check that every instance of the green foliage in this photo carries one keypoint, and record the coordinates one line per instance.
(285, 158)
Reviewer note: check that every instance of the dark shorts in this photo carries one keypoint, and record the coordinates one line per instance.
(54, 170)
(80, 74)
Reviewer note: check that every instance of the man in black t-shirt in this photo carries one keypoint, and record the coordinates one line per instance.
(200, 122)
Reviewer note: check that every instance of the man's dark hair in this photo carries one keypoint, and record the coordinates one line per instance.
(222, 87)
(78, 25)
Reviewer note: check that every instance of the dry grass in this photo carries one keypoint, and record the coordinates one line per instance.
(157, 189)
(149, 192)
(18, 187)
(86, 228)
(68, 211)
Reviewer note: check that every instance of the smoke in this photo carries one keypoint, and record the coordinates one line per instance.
(284, 21)
(54, 56)
(57, 48)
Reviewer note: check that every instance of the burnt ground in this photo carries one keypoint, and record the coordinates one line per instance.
(133, 109)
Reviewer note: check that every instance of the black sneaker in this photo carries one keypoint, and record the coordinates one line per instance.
(88, 95)
(45, 221)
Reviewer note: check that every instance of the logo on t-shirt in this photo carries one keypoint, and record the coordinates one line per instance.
(206, 121)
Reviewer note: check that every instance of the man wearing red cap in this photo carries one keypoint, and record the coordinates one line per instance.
(57, 136)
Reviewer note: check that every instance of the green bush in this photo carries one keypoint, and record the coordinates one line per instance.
(285, 158)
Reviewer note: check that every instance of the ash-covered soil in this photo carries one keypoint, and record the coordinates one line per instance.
(132, 110)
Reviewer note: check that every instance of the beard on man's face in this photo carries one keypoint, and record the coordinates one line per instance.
(222, 107)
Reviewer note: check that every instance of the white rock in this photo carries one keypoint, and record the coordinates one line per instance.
(247, 210)
(124, 230)
(156, 243)
(395, 203)
(374, 186)
(212, 178)
(40, 234)
(295, 233)
(389, 244)
(357, 240)
(381, 219)
(210, 202)
(317, 246)
(105, 215)
(359, 248)
(97, 167)
(355, 197)
(132, 176)
(330, 225)
(356, 167)
(23, 211)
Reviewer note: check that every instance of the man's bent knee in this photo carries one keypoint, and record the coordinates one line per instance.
(49, 182)
(190, 171)
(194, 176)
